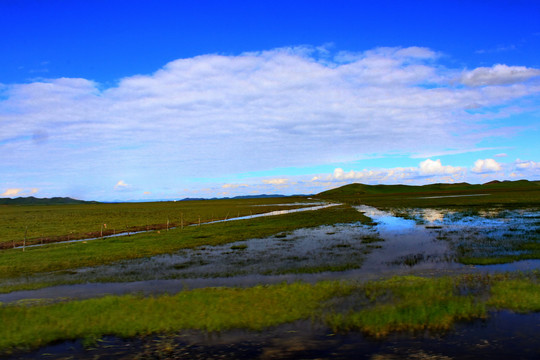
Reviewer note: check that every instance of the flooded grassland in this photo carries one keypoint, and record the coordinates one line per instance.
(436, 283)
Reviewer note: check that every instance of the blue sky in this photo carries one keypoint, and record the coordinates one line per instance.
(126, 100)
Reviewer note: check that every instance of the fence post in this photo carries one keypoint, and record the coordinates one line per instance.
(24, 243)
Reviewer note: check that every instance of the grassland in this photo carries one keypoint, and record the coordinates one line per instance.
(14, 263)
(375, 308)
(50, 223)
(509, 194)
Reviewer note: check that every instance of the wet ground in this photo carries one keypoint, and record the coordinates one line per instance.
(503, 335)
(419, 241)
(403, 241)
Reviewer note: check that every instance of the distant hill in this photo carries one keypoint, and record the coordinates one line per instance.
(43, 201)
(363, 189)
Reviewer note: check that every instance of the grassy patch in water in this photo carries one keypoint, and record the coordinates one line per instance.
(211, 309)
(377, 308)
(484, 236)
(520, 295)
(408, 304)
(528, 251)
(316, 269)
(15, 263)
(371, 239)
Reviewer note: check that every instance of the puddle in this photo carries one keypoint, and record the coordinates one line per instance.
(483, 233)
(450, 196)
(273, 213)
(291, 204)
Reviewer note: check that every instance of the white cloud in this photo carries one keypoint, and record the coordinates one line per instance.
(276, 181)
(234, 186)
(486, 166)
(121, 185)
(428, 170)
(499, 74)
(430, 167)
(501, 155)
(11, 192)
(19, 192)
(527, 164)
(221, 115)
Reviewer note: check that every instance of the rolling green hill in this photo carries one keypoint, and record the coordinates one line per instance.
(494, 192)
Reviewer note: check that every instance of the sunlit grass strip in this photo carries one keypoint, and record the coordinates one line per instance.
(520, 295)
(409, 303)
(211, 309)
(414, 304)
(379, 308)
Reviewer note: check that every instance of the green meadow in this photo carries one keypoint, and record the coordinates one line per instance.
(65, 256)
(509, 194)
(49, 223)
(398, 303)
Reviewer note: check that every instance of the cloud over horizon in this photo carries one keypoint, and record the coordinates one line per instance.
(216, 115)
(486, 166)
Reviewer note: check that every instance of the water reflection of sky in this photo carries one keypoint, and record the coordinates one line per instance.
(387, 222)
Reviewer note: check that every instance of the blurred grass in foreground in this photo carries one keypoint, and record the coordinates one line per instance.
(380, 307)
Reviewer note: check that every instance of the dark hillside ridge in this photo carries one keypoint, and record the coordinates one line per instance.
(362, 189)
(43, 201)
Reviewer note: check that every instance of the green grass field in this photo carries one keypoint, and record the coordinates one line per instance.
(377, 308)
(46, 223)
(56, 257)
